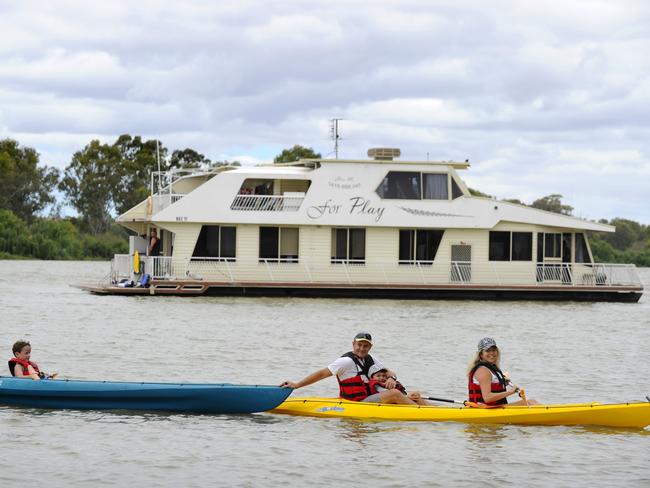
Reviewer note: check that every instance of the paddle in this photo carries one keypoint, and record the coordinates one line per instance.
(463, 402)
(521, 391)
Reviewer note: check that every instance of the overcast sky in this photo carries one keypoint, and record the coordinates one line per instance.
(542, 97)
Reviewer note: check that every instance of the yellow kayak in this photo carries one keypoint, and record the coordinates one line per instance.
(609, 415)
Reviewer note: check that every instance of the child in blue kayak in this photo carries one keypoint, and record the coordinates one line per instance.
(21, 366)
(377, 384)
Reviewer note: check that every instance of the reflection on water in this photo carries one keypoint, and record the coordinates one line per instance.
(360, 430)
(485, 435)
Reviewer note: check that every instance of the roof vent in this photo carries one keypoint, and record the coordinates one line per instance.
(384, 153)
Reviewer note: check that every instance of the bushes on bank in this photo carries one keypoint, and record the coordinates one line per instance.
(56, 239)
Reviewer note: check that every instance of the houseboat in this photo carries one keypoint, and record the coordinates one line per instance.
(379, 227)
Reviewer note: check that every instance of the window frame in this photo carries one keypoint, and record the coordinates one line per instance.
(414, 234)
(279, 259)
(219, 257)
(511, 239)
(348, 243)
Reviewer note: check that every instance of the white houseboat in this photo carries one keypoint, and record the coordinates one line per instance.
(379, 227)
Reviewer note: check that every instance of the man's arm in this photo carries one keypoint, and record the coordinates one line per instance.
(308, 380)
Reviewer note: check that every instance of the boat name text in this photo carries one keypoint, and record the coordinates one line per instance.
(358, 206)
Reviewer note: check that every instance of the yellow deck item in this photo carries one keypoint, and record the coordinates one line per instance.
(136, 262)
(609, 415)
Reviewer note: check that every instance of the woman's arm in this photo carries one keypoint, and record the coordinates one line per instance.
(484, 377)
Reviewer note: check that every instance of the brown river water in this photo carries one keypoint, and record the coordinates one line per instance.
(560, 352)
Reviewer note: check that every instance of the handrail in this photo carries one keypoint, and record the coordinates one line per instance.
(267, 203)
(357, 271)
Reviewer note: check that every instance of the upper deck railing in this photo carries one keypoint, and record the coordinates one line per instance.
(163, 200)
(229, 270)
(268, 203)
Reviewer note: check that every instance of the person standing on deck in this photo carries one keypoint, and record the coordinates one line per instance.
(351, 371)
(153, 249)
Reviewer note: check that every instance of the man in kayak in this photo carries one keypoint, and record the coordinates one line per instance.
(352, 373)
(20, 365)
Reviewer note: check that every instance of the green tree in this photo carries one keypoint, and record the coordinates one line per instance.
(295, 153)
(477, 193)
(137, 159)
(90, 181)
(25, 187)
(188, 158)
(552, 203)
(14, 236)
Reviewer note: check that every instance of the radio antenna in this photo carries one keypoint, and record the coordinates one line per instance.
(334, 135)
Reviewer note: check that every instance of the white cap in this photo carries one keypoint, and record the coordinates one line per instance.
(375, 369)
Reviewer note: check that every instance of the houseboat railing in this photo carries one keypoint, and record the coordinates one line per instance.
(292, 269)
(267, 203)
(163, 200)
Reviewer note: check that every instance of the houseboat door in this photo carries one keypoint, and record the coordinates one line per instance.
(461, 263)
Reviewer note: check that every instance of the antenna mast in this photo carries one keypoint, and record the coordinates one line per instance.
(334, 135)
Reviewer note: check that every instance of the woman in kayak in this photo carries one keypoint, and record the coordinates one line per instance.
(20, 365)
(487, 384)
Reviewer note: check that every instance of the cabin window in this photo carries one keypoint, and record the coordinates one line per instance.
(511, 246)
(411, 185)
(419, 246)
(349, 246)
(522, 246)
(435, 186)
(582, 253)
(266, 186)
(455, 190)
(216, 241)
(279, 244)
(400, 185)
(499, 246)
(552, 245)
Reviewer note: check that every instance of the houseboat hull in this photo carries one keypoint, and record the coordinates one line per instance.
(403, 292)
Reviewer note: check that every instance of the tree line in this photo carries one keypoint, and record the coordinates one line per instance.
(104, 180)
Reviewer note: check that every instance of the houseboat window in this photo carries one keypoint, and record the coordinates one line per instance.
(540, 247)
(216, 241)
(278, 244)
(435, 186)
(499, 246)
(400, 185)
(455, 190)
(511, 246)
(348, 245)
(582, 253)
(261, 186)
(418, 245)
(522, 246)
(552, 245)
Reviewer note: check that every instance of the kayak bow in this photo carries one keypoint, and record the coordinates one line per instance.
(610, 415)
(174, 397)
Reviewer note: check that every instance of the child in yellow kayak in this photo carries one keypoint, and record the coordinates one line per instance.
(21, 366)
(377, 384)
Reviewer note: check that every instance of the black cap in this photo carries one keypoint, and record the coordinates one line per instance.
(363, 336)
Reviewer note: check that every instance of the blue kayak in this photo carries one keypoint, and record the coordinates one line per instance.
(172, 397)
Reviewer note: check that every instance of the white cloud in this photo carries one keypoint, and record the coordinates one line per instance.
(543, 97)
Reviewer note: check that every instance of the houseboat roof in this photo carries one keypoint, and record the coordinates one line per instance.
(338, 192)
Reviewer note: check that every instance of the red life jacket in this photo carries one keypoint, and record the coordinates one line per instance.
(475, 394)
(372, 385)
(14, 361)
(356, 388)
